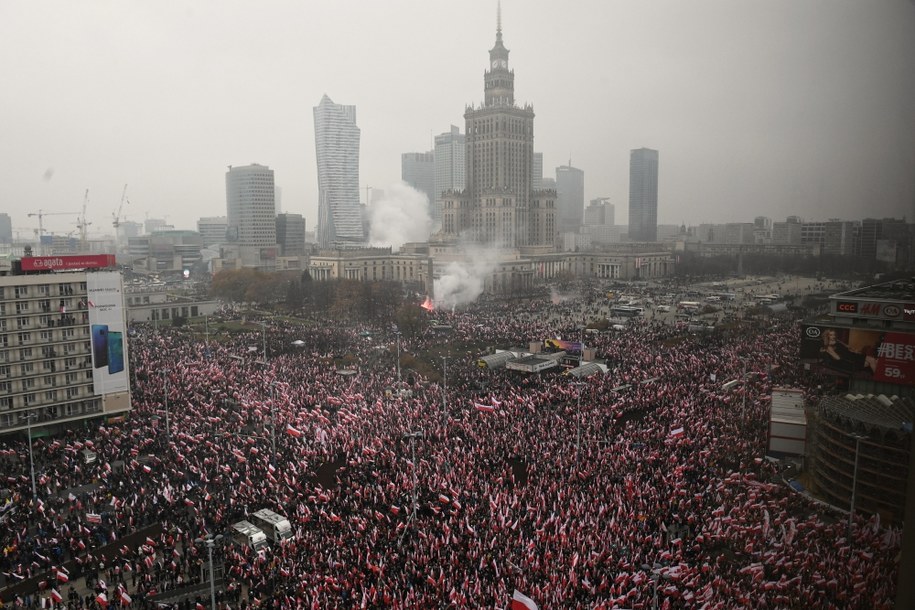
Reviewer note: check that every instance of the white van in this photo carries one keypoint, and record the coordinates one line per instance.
(246, 533)
(275, 526)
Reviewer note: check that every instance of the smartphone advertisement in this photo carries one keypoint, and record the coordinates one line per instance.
(107, 324)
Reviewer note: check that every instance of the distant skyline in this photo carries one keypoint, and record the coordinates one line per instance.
(760, 107)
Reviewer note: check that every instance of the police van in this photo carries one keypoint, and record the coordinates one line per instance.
(275, 526)
(246, 533)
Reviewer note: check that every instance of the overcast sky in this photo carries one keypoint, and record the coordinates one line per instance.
(758, 107)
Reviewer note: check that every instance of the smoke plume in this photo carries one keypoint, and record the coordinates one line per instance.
(462, 281)
(400, 217)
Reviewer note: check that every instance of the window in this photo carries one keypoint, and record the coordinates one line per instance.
(72, 392)
(29, 399)
(25, 338)
(28, 383)
(22, 291)
(28, 367)
(5, 387)
(50, 396)
(25, 353)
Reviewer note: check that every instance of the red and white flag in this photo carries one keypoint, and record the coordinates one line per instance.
(102, 600)
(483, 408)
(520, 601)
(56, 597)
(293, 431)
(125, 599)
(676, 432)
(93, 518)
(62, 576)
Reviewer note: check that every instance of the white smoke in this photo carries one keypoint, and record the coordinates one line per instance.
(400, 217)
(463, 281)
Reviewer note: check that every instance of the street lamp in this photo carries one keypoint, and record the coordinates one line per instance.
(397, 332)
(28, 419)
(264, 328)
(273, 419)
(578, 385)
(168, 429)
(412, 436)
(854, 480)
(211, 542)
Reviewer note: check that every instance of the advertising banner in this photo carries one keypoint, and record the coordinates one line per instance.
(107, 330)
(67, 263)
(861, 353)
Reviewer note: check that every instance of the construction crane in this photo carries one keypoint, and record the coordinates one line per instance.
(82, 225)
(41, 214)
(117, 215)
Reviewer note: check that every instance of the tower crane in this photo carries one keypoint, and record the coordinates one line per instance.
(117, 215)
(82, 225)
(41, 214)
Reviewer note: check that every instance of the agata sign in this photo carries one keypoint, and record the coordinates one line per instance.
(67, 263)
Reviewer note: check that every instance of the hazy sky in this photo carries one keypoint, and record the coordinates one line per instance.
(771, 107)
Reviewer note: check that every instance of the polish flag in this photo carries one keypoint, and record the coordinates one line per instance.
(62, 576)
(293, 431)
(93, 518)
(484, 408)
(523, 602)
(677, 432)
(125, 599)
(56, 597)
(102, 600)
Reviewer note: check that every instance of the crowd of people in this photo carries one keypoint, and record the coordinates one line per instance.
(647, 482)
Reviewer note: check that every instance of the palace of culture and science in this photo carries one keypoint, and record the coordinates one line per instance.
(498, 205)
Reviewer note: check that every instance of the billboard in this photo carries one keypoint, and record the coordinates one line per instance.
(105, 297)
(67, 263)
(861, 353)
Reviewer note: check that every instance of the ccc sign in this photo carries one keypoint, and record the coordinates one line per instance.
(847, 307)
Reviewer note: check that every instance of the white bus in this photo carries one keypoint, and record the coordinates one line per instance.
(689, 306)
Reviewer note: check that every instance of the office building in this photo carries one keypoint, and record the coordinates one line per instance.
(600, 212)
(498, 205)
(6, 229)
(290, 234)
(63, 343)
(337, 154)
(570, 197)
(418, 170)
(251, 215)
(450, 170)
(537, 172)
(212, 230)
(643, 195)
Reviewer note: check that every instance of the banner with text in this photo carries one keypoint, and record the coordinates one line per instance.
(865, 354)
(105, 298)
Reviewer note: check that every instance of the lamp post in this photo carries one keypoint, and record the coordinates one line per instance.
(264, 328)
(211, 542)
(412, 436)
(168, 428)
(578, 385)
(445, 410)
(397, 332)
(854, 481)
(273, 419)
(28, 419)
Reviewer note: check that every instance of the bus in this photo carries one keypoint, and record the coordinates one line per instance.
(689, 306)
(625, 311)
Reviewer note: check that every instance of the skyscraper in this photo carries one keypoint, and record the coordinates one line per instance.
(418, 170)
(537, 172)
(337, 153)
(6, 229)
(251, 214)
(290, 234)
(212, 230)
(570, 197)
(449, 167)
(643, 195)
(498, 204)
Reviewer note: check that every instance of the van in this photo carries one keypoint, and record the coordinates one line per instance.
(275, 526)
(663, 308)
(246, 533)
